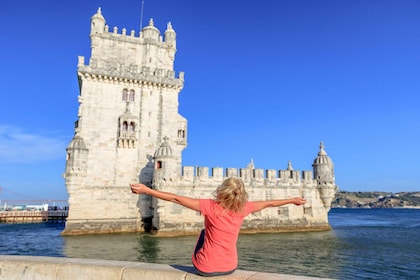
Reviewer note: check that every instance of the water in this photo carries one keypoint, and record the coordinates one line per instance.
(364, 244)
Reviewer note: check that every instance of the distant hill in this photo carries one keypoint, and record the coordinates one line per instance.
(345, 199)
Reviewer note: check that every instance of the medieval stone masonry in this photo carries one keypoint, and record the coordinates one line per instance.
(129, 130)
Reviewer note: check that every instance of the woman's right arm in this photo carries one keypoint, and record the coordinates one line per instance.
(185, 201)
(260, 205)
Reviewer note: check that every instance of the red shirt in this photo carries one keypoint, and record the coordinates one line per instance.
(219, 253)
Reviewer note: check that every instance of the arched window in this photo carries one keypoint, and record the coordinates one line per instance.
(132, 126)
(131, 96)
(125, 94)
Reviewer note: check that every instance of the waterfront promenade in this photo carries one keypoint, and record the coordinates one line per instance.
(49, 268)
(24, 216)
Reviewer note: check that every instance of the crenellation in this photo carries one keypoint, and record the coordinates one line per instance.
(258, 174)
(231, 172)
(217, 173)
(104, 70)
(202, 172)
(271, 175)
(250, 175)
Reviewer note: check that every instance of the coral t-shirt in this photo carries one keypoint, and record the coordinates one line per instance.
(219, 253)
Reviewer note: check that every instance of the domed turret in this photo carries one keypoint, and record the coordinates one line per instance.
(323, 166)
(97, 23)
(76, 156)
(76, 143)
(170, 36)
(324, 174)
(164, 151)
(150, 32)
(165, 162)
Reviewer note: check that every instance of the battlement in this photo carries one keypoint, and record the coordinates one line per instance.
(149, 34)
(102, 68)
(141, 37)
(126, 57)
(218, 174)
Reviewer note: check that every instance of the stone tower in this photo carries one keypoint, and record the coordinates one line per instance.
(128, 107)
(129, 130)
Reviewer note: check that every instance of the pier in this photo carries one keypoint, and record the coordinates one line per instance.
(25, 216)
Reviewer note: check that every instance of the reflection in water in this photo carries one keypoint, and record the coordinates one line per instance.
(131, 247)
(148, 248)
(311, 253)
(123, 247)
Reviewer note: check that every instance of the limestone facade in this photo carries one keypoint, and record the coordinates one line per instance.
(129, 130)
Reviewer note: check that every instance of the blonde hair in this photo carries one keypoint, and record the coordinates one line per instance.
(231, 195)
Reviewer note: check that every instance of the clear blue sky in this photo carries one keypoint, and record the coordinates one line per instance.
(264, 80)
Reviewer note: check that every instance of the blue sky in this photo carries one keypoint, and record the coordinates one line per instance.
(264, 80)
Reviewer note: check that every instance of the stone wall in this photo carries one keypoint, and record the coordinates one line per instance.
(51, 268)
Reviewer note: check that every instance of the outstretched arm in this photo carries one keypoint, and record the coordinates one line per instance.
(260, 205)
(188, 202)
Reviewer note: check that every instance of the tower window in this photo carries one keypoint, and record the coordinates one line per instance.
(131, 96)
(128, 96)
(132, 127)
(125, 94)
(181, 133)
(127, 134)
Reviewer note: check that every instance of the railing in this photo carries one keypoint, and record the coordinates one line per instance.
(25, 216)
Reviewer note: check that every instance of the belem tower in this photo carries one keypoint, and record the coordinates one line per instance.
(129, 130)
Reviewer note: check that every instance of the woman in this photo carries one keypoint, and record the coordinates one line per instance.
(215, 252)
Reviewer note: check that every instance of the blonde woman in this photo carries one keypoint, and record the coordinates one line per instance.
(215, 252)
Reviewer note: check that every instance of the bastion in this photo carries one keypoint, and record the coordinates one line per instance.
(129, 129)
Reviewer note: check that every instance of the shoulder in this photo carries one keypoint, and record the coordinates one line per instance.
(207, 205)
(249, 207)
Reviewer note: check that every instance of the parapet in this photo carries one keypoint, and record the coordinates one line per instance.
(201, 173)
(34, 267)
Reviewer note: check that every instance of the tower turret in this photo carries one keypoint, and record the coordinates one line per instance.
(165, 162)
(324, 174)
(323, 166)
(150, 33)
(76, 160)
(170, 36)
(97, 25)
(170, 41)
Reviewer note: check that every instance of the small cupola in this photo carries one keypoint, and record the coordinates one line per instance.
(150, 32)
(97, 23)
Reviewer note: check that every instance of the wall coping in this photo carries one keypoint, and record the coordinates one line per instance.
(53, 268)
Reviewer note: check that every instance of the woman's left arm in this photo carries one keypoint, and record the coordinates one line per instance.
(260, 205)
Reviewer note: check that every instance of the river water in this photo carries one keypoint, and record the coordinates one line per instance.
(363, 244)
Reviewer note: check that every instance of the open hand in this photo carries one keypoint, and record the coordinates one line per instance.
(299, 201)
(138, 188)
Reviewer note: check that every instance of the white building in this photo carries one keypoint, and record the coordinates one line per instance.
(129, 130)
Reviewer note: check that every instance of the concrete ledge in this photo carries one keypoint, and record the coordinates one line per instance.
(52, 268)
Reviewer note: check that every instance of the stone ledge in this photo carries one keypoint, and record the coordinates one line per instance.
(53, 268)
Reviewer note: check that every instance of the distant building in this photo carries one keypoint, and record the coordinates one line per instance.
(129, 130)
